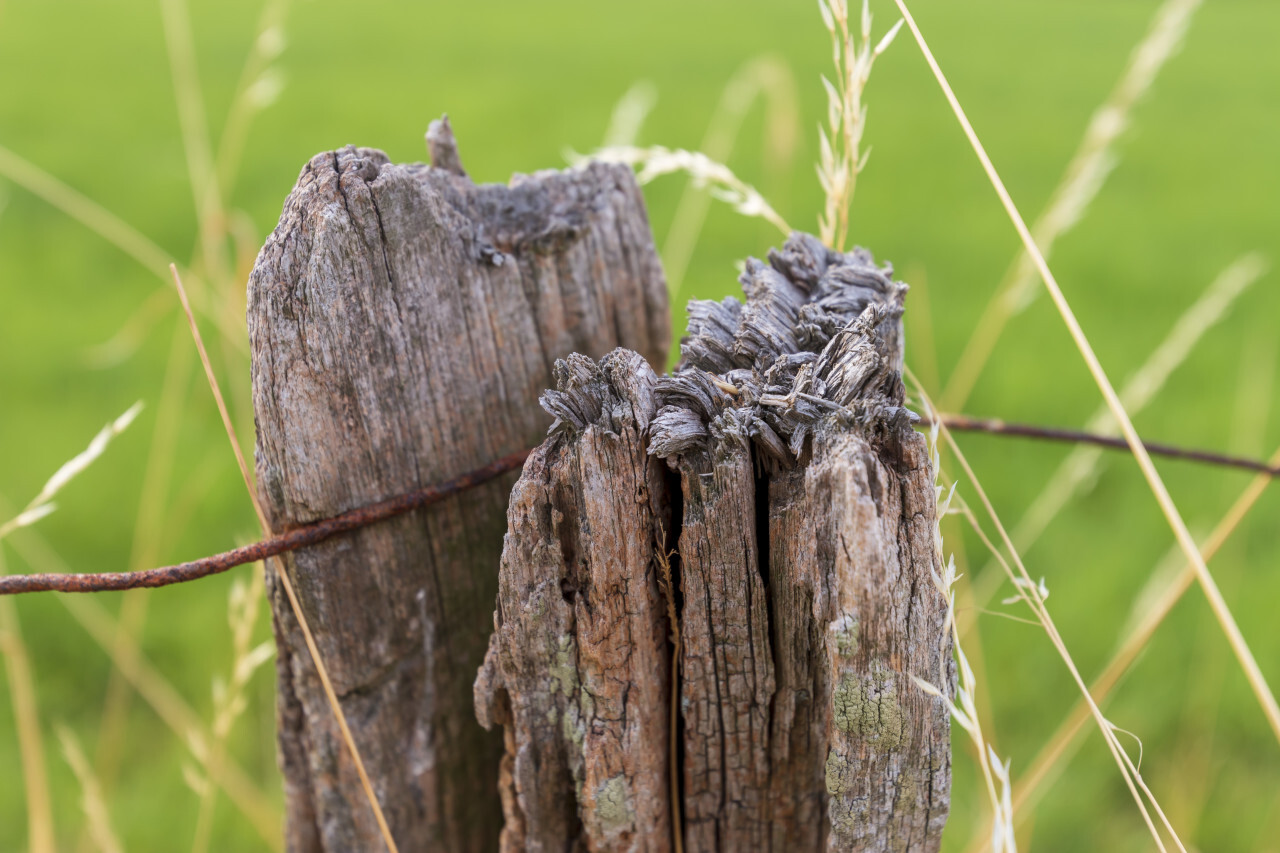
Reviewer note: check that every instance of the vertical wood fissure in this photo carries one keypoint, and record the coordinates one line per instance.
(806, 514)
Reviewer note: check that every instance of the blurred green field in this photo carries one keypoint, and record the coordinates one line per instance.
(88, 97)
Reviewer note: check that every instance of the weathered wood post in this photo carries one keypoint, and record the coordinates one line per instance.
(803, 513)
(403, 322)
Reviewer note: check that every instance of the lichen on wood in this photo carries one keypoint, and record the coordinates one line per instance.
(803, 506)
(577, 669)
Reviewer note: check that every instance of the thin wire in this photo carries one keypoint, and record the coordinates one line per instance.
(965, 423)
(300, 537)
(319, 531)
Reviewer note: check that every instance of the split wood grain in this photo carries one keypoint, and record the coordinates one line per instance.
(804, 509)
(578, 669)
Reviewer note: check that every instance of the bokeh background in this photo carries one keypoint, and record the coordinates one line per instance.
(88, 97)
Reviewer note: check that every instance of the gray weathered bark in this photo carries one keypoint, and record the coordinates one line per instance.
(805, 514)
(403, 322)
(585, 649)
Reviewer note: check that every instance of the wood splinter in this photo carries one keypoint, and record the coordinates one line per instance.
(804, 510)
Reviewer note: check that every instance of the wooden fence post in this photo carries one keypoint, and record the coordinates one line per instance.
(403, 321)
(803, 512)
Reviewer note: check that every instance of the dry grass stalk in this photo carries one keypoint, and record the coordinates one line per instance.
(285, 581)
(180, 45)
(251, 96)
(718, 178)
(259, 86)
(1152, 607)
(1257, 681)
(114, 230)
(1034, 593)
(229, 695)
(95, 807)
(127, 659)
(629, 114)
(1080, 466)
(1080, 184)
(150, 523)
(964, 708)
(26, 715)
(42, 504)
(841, 157)
(84, 210)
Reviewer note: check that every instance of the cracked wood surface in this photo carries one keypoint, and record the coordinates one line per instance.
(578, 665)
(804, 510)
(403, 322)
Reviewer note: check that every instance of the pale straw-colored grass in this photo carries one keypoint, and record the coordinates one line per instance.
(26, 717)
(656, 160)
(150, 523)
(96, 814)
(1033, 593)
(285, 581)
(114, 230)
(213, 255)
(127, 658)
(1222, 612)
(629, 114)
(28, 728)
(963, 707)
(1084, 178)
(22, 686)
(1079, 469)
(840, 154)
(84, 210)
(1153, 605)
(258, 86)
(230, 698)
(203, 177)
(42, 504)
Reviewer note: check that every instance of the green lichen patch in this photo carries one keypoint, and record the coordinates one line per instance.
(837, 764)
(613, 804)
(564, 669)
(866, 706)
(844, 633)
(848, 815)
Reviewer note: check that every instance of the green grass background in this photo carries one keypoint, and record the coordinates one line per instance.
(86, 95)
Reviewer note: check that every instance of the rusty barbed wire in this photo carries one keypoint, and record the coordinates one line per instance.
(312, 534)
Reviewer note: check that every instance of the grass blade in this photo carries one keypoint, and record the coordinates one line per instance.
(1257, 681)
(1087, 172)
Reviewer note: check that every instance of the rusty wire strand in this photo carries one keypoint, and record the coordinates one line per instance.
(312, 534)
(964, 423)
(300, 537)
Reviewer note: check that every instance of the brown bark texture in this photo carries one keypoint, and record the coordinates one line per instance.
(803, 513)
(403, 321)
